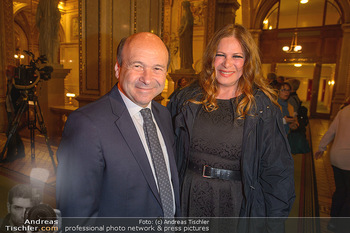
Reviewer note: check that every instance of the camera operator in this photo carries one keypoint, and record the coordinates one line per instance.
(15, 146)
(21, 198)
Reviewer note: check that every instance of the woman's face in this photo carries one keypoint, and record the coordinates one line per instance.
(284, 92)
(228, 63)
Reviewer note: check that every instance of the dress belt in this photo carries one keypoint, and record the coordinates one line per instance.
(215, 173)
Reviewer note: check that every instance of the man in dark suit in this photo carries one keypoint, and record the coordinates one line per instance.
(105, 166)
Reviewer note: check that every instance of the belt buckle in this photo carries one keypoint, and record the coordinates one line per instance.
(203, 174)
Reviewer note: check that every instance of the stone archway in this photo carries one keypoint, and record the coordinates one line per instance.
(342, 86)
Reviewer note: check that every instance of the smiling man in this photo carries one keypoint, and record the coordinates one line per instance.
(108, 165)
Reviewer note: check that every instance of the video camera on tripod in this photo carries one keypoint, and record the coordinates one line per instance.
(27, 76)
(24, 79)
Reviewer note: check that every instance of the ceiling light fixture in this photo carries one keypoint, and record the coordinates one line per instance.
(294, 47)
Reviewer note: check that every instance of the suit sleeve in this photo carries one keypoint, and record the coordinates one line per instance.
(80, 168)
(277, 168)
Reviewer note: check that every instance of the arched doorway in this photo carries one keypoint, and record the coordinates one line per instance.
(317, 27)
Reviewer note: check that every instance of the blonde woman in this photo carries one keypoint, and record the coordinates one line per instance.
(233, 156)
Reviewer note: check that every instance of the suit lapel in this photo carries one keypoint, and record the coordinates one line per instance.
(131, 137)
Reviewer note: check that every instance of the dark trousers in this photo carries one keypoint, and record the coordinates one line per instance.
(341, 196)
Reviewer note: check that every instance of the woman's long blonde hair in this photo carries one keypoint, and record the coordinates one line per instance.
(252, 74)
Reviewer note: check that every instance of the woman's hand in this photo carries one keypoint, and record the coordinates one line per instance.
(319, 154)
(293, 125)
(289, 120)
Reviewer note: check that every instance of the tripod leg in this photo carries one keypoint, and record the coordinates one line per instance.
(14, 126)
(44, 132)
(32, 127)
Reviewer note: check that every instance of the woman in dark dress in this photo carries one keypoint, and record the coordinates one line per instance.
(232, 153)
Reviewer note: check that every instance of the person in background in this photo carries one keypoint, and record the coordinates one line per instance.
(229, 133)
(295, 126)
(280, 79)
(20, 199)
(271, 78)
(346, 103)
(290, 120)
(293, 97)
(116, 156)
(339, 133)
(181, 83)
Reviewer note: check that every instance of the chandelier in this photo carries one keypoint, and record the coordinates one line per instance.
(294, 47)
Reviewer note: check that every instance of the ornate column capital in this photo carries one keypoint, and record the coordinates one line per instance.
(256, 35)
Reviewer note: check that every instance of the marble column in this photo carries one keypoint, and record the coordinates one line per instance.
(221, 13)
(225, 13)
(342, 83)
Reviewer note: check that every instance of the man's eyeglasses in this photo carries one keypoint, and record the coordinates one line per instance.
(285, 90)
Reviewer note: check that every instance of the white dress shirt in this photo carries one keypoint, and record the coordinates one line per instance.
(134, 111)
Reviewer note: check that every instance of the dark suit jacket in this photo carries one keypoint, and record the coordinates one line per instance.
(103, 170)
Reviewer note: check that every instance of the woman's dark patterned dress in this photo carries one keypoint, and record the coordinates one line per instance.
(216, 141)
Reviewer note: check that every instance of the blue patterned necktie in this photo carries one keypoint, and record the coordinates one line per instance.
(158, 163)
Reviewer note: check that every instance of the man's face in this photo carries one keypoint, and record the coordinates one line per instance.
(143, 72)
(18, 208)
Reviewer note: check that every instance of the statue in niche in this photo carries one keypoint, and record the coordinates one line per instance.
(186, 38)
(48, 20)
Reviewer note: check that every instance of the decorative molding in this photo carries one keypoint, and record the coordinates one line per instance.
(210, 30)
(9, 38)
(17, 6)
(135, 17)
(348, 83)
(99, 47)
(166, 23)
(198, 9)
(112, 80)
(81, 65)
(84, 79)
(162, 19)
